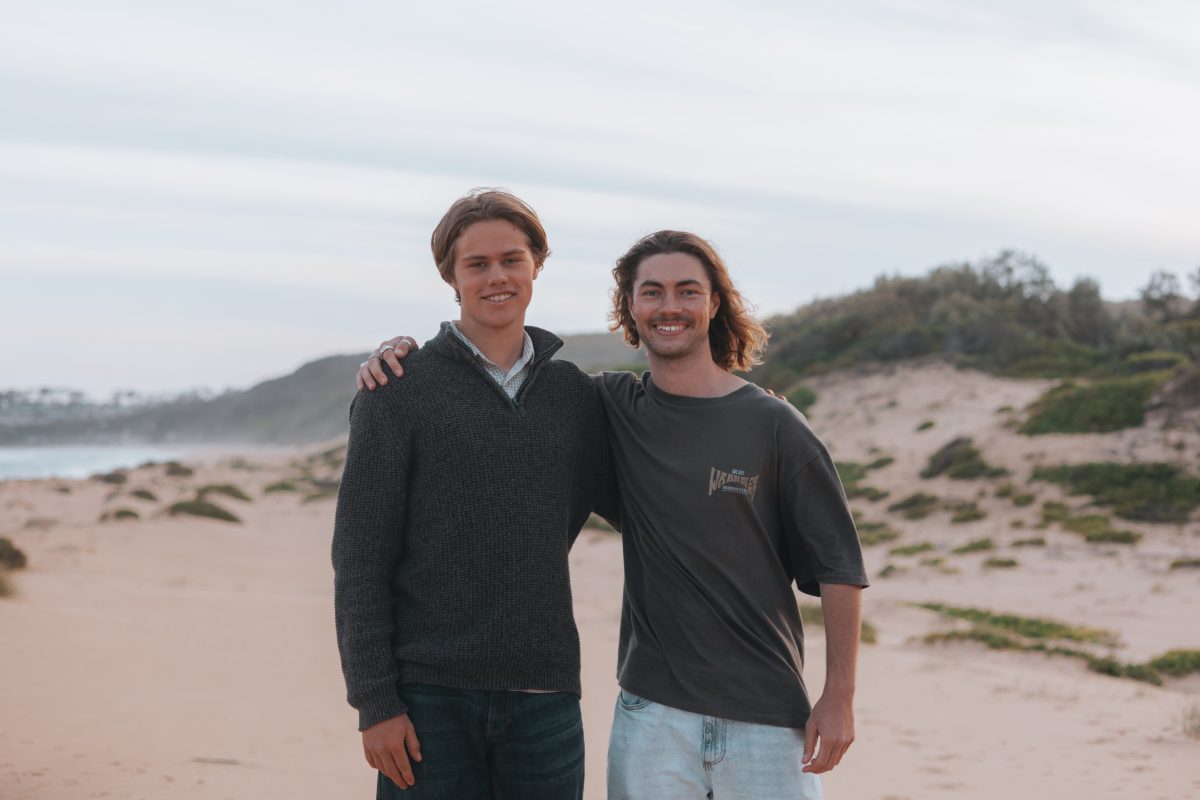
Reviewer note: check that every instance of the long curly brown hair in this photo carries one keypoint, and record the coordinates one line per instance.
(736, 338)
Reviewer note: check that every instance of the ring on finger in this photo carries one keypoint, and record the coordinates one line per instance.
(386, 347)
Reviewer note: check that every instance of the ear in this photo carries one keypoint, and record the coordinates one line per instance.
(714, 304)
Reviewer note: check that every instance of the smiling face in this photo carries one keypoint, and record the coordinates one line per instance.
(672, 303)
(493, 274)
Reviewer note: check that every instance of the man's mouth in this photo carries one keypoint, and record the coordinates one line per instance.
(499, 298)
(669, 327)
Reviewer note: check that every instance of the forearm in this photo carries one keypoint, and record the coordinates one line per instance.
(841, 606)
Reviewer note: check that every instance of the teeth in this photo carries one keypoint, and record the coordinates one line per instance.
(498, 298)
(669, 328)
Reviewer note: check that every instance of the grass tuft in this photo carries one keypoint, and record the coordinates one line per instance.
(925, 425)
(976, 546)
(961, 460)
(873, 533)
(967, 512)
(1036, 541)
(202, 508)
(280, 486)
(225, 489)
(1152, 492)
(916, 506)
(114, 477)
(1177, 663)
(144, 494)
(1000, 563)
(1106, 405)
(911, 549)
(11, 556)
(177, 470)
(1186, 563)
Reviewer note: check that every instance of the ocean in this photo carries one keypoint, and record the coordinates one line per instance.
(78, 461)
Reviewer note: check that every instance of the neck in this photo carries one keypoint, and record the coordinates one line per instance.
(502, 346)
(693, 375)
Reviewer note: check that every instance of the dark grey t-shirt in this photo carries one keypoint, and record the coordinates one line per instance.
(726, 502)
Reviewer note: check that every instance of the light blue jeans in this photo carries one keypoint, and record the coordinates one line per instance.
(656, 752)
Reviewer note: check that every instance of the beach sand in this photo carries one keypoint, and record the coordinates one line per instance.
(178, 657)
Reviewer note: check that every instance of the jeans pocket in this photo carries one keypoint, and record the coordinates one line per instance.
(631, 702)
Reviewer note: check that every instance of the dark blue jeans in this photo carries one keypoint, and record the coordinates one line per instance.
(492, 745)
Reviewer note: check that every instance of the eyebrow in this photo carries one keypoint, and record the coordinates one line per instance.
(514, 252)
(656, 284)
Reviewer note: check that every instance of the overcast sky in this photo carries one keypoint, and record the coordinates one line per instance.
(207, 194)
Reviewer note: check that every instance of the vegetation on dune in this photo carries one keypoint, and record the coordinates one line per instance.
(319, 495)
(1186, 563)
(1189, 721)
(1033, 634)
(1000, 563)
(177, 470)
(114, 477)
(961, 460)
(280, 486)
(1095, 528)
(873, 533)
(880, 462)
(974, 546)
(225, 489)
(1036, 541)
(202, 508)
(119, 514)
(1099, 407)
(966, 512)
(916, 506)
(802, 398)
(911, 549)
(11, 556)
(1151, 492)
(924, 425)
(1004, 315)
(144, 494)
(852, 474)
(889, 570)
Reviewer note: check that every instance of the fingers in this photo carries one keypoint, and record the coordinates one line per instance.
(413, 744)
(364, 378)
(398, 769)
(392, 356)
(830, 755)
(810, 741)
(375, 365)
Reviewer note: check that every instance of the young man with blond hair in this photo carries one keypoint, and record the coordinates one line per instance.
(464, 487)
(727, 500)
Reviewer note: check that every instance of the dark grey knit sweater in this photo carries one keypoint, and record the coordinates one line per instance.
(456, 511)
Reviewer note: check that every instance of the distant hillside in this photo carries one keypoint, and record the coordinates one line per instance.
(307, 406)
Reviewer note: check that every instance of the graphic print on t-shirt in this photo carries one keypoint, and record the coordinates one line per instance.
(735, 481)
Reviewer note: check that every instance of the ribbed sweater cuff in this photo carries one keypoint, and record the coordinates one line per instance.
(379, 706)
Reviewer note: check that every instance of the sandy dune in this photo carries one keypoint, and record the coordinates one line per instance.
(187, 658)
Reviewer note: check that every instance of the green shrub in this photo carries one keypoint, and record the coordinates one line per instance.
(889, 570)
(925, 425)
(11, 556)
(1152, 492)
(1106, 405)
(959, 459)
(1112, 536)
(177, 470)
(280, 486)
(850, 472)
(116, 477)
(802, 398)
(1186, 563)
(1054, 511)
(1029, 627)
(1177, 663)
(911, 549)
(1005, 490)
(226, 489)
(323, 494)
(1024, 499)
(880, 462)
(873, 533)
(125, 513)
(144, 494)
(1017, 523)
(967, 512)
(869, 493)
(1036, 541)
(1000, 563)
(201, 508)
(975, 546)
(916, 506)
(1156, 361)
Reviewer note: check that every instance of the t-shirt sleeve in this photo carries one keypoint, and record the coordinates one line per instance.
(822, 541)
